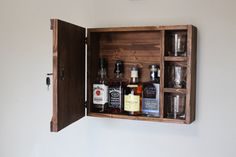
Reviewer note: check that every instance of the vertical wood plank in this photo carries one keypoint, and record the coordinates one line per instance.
(162, 69)
(54, 27)
(191, 74)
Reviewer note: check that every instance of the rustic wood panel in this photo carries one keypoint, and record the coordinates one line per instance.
(174, 27)
(68, 74)
(162, 70)
(175, 90)
(175, 59)
(134, 48)
(143, 118)
(191, 76)
(124, 29)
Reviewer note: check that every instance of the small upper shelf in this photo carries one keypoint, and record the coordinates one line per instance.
(175, 90)
(175, 59)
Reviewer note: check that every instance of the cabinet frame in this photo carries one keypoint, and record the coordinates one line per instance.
(93, 53)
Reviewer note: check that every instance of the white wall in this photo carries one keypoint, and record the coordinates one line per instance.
(25, 103)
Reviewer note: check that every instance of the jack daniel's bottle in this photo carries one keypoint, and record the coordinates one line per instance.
(100, 88)
(133, 94)
(116, 89)
(151, 92)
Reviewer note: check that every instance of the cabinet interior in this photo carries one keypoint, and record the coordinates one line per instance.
(140, 48)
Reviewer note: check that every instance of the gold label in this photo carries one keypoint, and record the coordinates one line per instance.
(132, 103)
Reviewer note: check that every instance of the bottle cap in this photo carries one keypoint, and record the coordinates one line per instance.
(153, 67)
(119, 67)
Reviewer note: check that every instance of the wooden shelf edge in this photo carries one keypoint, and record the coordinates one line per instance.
(175, 90)
(151, 119)
(175, 59)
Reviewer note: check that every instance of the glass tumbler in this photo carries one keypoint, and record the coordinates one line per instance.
(177, 76)
(176, 106)
(178, 44)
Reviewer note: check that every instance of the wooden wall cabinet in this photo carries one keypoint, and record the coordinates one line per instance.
(134, 45)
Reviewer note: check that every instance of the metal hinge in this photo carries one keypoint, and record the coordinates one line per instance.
(86, 40)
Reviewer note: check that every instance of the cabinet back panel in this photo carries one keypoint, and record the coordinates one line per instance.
(134, 48)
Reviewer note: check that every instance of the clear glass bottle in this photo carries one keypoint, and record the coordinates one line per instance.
(116, 89)
(100, 88)
(133, 94)
(151, 93)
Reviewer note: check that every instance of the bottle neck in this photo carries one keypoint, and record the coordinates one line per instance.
(118, 75)
(134, 80)
(102, 73)
(154, 76)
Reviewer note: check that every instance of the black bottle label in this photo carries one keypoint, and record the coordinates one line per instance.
(115, 100)
(150, 100)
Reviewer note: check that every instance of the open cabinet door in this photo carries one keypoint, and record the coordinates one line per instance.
(68, 74)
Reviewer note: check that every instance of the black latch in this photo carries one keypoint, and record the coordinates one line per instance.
(48, 80)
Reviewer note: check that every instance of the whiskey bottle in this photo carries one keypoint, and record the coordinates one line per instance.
(133, 94)
(151, 93)
(116, 89)
(100, 88)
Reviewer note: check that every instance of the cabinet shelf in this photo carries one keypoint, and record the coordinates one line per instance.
(175, 59)
(175, 90)
(143, 118)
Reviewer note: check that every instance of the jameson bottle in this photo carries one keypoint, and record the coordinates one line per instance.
(116, 89)
(151, 93)
(100, 88)
(133, 94)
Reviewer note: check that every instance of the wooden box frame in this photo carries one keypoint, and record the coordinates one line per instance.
(126, 43)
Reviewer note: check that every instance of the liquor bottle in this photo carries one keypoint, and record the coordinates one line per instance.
(151, 93)
(116, 89)
(133, 94)
(100, 88)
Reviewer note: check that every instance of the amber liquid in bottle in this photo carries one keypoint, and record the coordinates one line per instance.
(116, 90)
(133, 94)
(100, 88)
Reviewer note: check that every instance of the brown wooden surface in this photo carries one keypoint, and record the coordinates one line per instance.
(139, 28)
(174, 27)
(68, 74)
(175, 90)
(175, 59)
(162, 69)
(143, 118)
(124, 29)
(133, 48)
(191, 74)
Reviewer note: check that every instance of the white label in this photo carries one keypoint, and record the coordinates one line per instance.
(100, 94)
(134, 74)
